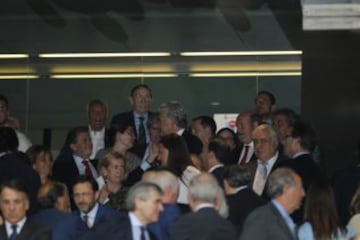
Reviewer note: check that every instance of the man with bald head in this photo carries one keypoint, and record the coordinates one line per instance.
(266, 151)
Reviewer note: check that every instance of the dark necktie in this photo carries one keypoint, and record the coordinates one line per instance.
(86, 220)
(87, 168)
(142, 234)
(243, 159)
(14, 234)
(142, 134)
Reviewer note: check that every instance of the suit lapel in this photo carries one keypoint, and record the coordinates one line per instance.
(281, 222)
(3, 234)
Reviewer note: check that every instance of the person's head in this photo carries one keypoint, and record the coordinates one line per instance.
(79, 141)
(113, 167)
(245, 124)
(285, 186)
(166, 180)
(153, 125)
(174, 153)
(204, 127)
(229, 137)
(265, 142)
(236, 176)
(140, 98)
(8, 140)
(283, 120)
(172, 117)
(218, 152)
(53, 195)
(14, 201)
(264, 102)
(40, 159)
(4, 109)
(97, 112)
(203, 188)
(122, 134)
(144, 200)
(85, 193)
(301, 138)
(320, 210)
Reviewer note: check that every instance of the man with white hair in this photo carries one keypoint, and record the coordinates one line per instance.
(169, 184)
(204, 222)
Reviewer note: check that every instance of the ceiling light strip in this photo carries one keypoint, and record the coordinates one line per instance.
(103, 55)
(245, 74)
(13, 56)
(129, 75)
(240, 53)
(10, 77)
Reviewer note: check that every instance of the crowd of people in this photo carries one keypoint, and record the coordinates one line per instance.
(152, 176)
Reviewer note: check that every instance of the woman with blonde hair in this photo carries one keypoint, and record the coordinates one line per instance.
(113, 170)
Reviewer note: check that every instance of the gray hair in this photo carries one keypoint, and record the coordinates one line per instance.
(175, 111)
(141, 191)
(278, 180)
(163, 178)
(270, 131)
(204, 188)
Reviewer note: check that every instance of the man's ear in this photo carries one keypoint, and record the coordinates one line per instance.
(73, 146)
(131, 100)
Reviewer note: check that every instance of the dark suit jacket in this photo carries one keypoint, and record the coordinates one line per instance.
(193, 143)
(102, 213)
(218, 173)
(30, 231)
(128, 119)
(307, 169)
(66, 171)
(345, 182)
(12, 167)
(237, 154)
(205, 224)
(241, 204)
(113, 228)
(51, 218)
(266, 223)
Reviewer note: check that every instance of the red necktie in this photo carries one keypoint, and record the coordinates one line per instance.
(243, 159)
(87, 168)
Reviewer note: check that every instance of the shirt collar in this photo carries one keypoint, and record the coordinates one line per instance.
(134, 220)
(93, 133)
(203, 205)
(137, 115)
(180, 131)
(300, 153)
(92, 213)
(215, 167)
(270, 163)
(20, 225)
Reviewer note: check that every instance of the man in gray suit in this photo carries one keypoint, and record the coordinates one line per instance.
(272, 221)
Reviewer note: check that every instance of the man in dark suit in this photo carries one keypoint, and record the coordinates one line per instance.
(173, 120)
(13, 204)
(241, 199)
(12, 166)
(217, 155)
(204, 222)
(140, 100)
(144, 206)
(268, 157)
(298, 145)
(86, 193)
(246, 122)
(272, 221)
(74, 159)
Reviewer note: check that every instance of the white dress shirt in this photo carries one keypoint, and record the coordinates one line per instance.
(98, 141)
(259, 182)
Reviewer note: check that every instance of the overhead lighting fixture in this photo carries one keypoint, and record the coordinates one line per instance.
(13, 56)
(240, 53)
(23, 77)
(103, 55)
(125, 75)
(245, 74)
